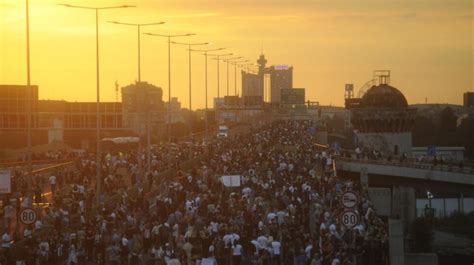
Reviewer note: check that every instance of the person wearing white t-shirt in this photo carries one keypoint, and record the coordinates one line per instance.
(276, 251)
(52, 183)
(237, 253)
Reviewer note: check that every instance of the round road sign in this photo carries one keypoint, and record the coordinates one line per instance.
(27, 216)
(349, 199)
(349, 218)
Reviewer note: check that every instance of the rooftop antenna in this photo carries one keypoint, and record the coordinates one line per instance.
(116, 91)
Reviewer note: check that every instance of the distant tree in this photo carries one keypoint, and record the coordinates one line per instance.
(448, 121)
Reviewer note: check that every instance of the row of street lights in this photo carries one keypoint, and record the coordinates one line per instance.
(205, 52)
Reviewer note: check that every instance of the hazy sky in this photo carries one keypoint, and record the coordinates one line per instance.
(427, 44)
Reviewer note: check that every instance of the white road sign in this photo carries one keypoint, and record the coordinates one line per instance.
(27, 216)
(349, 199)
(349, 218)
(5, 181)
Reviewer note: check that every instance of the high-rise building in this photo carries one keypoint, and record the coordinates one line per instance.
(142, 105)
(252, 90)
(174, 107)
(469, 99)
(281, 77)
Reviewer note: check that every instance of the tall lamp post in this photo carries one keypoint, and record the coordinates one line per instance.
(169, 37)
(227, 62)
(138, 26)
(97, 9)
(205, 53)
(148, 126)
(28, 93)
(190, 50)
(218, 58)
(235, 64)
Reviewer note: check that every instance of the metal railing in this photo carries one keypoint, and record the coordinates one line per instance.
(412, 163)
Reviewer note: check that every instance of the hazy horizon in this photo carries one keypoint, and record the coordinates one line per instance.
(427, 45)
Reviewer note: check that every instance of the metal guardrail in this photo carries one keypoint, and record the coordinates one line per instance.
(416, 165)
(45, 169)
(34, 162)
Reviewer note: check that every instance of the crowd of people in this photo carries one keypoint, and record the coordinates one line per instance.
(285, 208)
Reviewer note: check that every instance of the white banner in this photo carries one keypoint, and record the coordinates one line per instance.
(231, 181)
(5, 181)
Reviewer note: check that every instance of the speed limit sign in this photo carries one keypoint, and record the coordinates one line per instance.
(27, 216)
(349, 199)
(349, 218)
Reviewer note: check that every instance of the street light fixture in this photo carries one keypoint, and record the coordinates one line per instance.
(227, 61)
(138, 26)
(169, 71)
(218, 57)
(235, 64)
(189, 49)
(148, 126)
(28, 95)
(97, 9)
(205, 53)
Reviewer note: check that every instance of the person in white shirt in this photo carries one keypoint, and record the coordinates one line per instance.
(276, 251)
(236, 253)
(52, 183)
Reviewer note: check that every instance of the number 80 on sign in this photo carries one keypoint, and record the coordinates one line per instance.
(349, 218)
(27, 216)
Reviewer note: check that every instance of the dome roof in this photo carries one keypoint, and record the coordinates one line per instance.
(383, 96)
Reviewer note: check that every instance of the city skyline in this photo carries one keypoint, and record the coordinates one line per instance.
(426, 44)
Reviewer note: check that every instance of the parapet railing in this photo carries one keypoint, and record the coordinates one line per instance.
(413, 164)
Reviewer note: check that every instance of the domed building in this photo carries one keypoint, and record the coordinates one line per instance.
(382, 119)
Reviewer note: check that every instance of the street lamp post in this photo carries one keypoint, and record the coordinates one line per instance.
(218, 58)
(169, 72)
(227, 62)
(28, 93)
(190, 50)
(97, 9)
(235, 63)
(138, 26)
(148, 126)
(205, 53)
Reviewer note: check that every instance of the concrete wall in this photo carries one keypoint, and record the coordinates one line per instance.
(386, 142)
(396, 246)
(421, 258)
(408, 172)
(382, 200)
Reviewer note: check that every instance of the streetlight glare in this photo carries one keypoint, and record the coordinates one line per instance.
(137, 24)
(97, 8)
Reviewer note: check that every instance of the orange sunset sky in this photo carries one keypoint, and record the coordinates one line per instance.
(427, 44)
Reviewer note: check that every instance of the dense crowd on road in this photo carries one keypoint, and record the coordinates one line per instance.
(285, 210)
